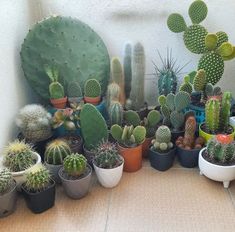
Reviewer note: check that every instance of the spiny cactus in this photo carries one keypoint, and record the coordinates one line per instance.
(127, 69)
(92, 88)
(6, 180)
(75, 164)
(74, 92)
(18, 156)
(214, 48)
(113, 93)
(34, 122)
(37, 178)
(186, 86)
(115, 113)
(138, 74)
(93, 126)
(162, 141)
(56, 151)
(128, 136)
(131, 117)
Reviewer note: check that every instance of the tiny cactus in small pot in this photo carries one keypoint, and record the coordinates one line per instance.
(92, 92)
(74, 91)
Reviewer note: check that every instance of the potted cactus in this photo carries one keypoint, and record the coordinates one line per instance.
(130, 141)
(18, 157)
(217, 160)
(92, 92)
(108, 164)
(55, 153)
(75, 175)
(8, 193)
(162, 151)
(74, 92)
(56, 90)
(188, 146)
(217, 117)
(39, 189)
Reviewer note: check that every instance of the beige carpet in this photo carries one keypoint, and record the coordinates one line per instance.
(176, 200)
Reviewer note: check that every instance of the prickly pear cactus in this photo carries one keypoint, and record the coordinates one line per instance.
(71, 45)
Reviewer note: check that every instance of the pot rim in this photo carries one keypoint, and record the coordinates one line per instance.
(45, 162)
(159, 153)
(10, 191)
(211, 164)
(200, 128)
(93, 162)
(195, 149)
(129, 147)
(62, 99)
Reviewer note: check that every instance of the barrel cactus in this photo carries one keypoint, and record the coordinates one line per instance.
(34, 122)
(127, 69)
(18, 156)
(115, 113)
(214, 48)
(69, 44)
(56, 151)
(92, 88)
(75, 165)
(6, 180)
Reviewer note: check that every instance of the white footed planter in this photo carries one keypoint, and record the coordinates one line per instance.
(215, 172)
(109, 178)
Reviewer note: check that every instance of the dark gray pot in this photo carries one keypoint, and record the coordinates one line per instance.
(161, 161)
(78, 188)
(89, 156)
(8, 202)
(54, 169)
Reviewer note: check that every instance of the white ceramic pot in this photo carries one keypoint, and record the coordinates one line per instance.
(215, 172)
(109, 178)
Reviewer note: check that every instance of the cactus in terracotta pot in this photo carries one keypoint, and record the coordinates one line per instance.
(74, 92)
(92, 91)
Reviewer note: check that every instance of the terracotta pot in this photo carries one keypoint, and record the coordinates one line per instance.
(132, 157)
(145, 146)
(92, 100)
(59, 103)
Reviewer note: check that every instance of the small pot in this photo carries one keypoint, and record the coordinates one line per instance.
(161, 161)
(77, 188)
(75, 99)
(59, 103)
(54, 169)
(132, 157)
(188, 158)
(75, 143)
(89, 155)
(92, 100)
(145, 147)
(40, 201)
(175, 135)
(216, 172)
(8, 201)
(109, 178)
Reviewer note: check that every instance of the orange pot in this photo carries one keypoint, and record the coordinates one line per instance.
(92, 100)
(59, 103)
(145, 146)
(132, 158)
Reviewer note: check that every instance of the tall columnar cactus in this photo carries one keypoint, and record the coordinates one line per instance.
(115, 113)
(128, 136)
(118, 77)
(68, 44)
(189, 134)
(56, 151)
(93, 126)
(162, 141)
(214, 48)
(34, 122)
(113, 93)
(6, 180)
(18, 156)
(74, 92)
(75, 164)
(92, 88)
(127, 69)
(138, 74)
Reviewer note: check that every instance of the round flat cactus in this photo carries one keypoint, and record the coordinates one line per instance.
(70, 45)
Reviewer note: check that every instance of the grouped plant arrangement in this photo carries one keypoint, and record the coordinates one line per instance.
(8, 194)
(108, 164)
(75, 175)
(39, 189)
(217, 160)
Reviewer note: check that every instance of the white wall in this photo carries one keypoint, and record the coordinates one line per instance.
(116, 21)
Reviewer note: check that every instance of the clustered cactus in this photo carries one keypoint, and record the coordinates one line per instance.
(18, 156)
(107, 155)
(162, 141)
(34, 122)
(221, 148)
(6, 180)
(75, 165)
(56, 151)
(172, 109)
(92, 88)
(129, 136)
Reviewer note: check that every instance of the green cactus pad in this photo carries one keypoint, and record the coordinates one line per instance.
(226, 49)
(153, 118)
(181, 101)
(213, 65)
(211, 41)
(186, 87)
(176, 23)
(74, 89)
(177, 120)
(222, 38)
(92, 88)
(197, 11)
(72, 46)
(170, 98)
(116, 132)
(131, 117)
(139, 133)
(165, 111)
(162, 100)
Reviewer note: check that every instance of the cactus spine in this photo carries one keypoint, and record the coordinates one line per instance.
(127, 69)
(115, 113)
(6, 180)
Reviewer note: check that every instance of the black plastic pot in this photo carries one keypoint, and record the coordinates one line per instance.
(41, 201)
(175, 135)
(188, 158)
(161, 161)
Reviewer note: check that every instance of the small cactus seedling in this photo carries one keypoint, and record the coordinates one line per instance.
(6, 181)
